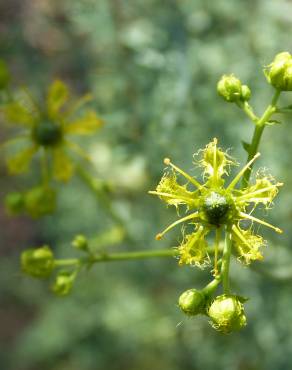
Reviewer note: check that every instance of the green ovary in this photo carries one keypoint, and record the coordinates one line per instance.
(217, 208)
(47, 133)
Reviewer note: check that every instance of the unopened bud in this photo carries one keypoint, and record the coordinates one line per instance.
(279, 72)
(227, 313)
(245, 93)
(229, 87)
(192, 302)
(40, 201)
(14, 203)
(63, 283)
(38, 262)
(80, 242)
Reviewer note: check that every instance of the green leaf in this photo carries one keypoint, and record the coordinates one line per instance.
(272, 122)
(246, 146)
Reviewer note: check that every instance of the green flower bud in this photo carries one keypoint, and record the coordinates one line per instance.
(4, 75)
(63, 283)
(80, 242)
(38, 262)
(192, 302)
(14, 203)
(229, 87)
(245, 93)
(40, 201)
(279, 72)
(227, 313)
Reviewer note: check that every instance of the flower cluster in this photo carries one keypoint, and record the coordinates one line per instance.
(231, 89)
(40, 263)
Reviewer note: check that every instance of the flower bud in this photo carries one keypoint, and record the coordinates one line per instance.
(279, 72)
(38, 262)
(14, 203)
(192, 302)
(227, 313)
(80, 242)
(245, 93)
(63, 283)
(40, 201)
(4, 75)
(229, 87)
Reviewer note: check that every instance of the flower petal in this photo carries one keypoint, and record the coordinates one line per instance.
(63, 167)
(193, 250)
(57, 96)
(247, 244)
(20, 162)
(85, 125)
(16, 113)
(263, 191)
(215, 163)
(175, 194)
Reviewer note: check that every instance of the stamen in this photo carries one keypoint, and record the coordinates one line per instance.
(217, 242)
(188, 177)
(251, 194)
(186, 218)
(241, 172)
(245, 215)
(168, 195)
(215, 158)
(239, 234)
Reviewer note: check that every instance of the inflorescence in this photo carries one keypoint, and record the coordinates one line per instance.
(215, 207)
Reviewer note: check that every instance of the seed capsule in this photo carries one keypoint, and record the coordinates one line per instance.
(227, 313)
(192, 302)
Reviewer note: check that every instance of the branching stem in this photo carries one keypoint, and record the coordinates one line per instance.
(257, 135)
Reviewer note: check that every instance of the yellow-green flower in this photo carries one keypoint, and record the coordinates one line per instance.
(215, 206)
(48, 130)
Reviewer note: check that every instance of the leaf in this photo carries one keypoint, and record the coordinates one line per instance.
(242, 299)
(272, 122)
(246, 146)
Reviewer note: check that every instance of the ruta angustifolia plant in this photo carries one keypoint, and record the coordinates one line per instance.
(219, 223)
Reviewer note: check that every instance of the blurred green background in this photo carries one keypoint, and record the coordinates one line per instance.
(152, 67)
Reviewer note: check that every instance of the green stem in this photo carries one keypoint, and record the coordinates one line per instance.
(212, 286)
(248, 111)
(257, 135)
(45, 168)
(226, 261)
(66, 262)
(110, 257)
(133, 255)
(123, 256)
